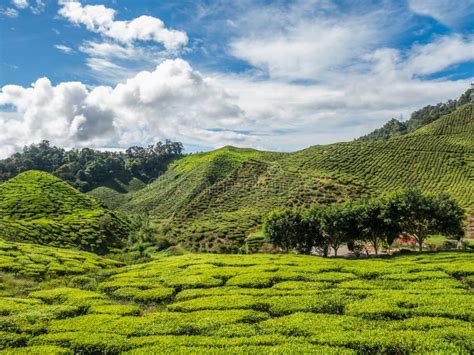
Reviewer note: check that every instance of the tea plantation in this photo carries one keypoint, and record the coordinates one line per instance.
(239, 304)
(212, 202)
(40, 208)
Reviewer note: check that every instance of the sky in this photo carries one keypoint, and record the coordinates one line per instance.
(273, 75)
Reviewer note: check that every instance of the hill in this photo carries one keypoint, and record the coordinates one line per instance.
(239, 304)
(40, 208)
(214, 201)
(437, 157)
(418, 119)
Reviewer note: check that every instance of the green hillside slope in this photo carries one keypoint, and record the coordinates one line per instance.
(213, 201)
(38, 207)
(438, 157)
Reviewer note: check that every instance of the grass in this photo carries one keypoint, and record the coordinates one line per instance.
(262, 303)
(215, 201)
(40, 208)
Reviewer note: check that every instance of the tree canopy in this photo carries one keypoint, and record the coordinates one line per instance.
(87, 168)
(377, 221)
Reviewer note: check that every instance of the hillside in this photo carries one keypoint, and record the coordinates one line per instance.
(437, 157)
(40, 208)
(213, 201)
(418, 119)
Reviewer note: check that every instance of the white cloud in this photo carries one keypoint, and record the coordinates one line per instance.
(100, 19)
(173, 101)
(21, 4)
(310, 40)
(114, 62)
(441, 54)
(327, 77)
(64, 49)
(449, 12)
(120, 53)
(9, 12)
(306, 51)
(109, 50)
(40, 5)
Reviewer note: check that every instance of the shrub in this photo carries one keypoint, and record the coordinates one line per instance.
(37, 350)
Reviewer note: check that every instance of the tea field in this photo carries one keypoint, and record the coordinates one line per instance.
(40, 208)
(208, 303)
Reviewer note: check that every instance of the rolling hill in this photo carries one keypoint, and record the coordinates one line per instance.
(40, 208)
(214, 201)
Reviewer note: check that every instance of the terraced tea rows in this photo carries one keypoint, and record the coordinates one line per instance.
(436, 158)
(250, 303)
(40, 208)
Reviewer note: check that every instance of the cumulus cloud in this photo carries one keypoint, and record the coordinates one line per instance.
(100, 19)
(173, 101)
(124, 48)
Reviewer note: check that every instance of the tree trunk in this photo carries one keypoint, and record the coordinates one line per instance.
(420, 243)
(376, 247)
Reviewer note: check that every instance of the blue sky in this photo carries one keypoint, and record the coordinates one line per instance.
(278, 75)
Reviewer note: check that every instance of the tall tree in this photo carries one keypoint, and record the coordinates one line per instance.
(421, 215)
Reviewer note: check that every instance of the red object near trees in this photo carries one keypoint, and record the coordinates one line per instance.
(406, 239)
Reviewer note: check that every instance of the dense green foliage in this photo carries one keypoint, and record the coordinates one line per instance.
(418, 119)
(86, 169)
(376, 221)
(40, 208)
(239, 304)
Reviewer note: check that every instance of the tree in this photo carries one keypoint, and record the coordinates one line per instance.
(421, 215)
(283, 227)
(339, 224)
(376, 225)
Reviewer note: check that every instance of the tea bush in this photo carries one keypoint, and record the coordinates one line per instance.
(206, 303)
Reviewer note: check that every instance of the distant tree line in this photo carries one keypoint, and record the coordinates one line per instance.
(418, 119)
(376, 221)
(87, 168)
